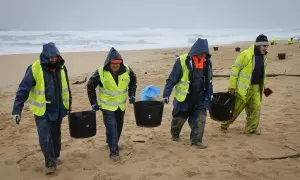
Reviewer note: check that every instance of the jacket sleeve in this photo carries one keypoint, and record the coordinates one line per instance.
(92, 84)
(23, 91)
(266, 71)
(173, 78)
(132, 84)
(209, 92)
(235, 71)
(70, 92)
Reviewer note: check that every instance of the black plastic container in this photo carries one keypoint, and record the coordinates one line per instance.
(237, 49)
(148, 113)
(281, 56)
(82, 124)
(216, 48)
(222, 106)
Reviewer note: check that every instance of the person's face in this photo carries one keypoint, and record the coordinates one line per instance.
(263, 49)
(201, 56)
(114, 67)
(53, 59)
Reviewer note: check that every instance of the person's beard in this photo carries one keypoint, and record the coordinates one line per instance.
(52, 65)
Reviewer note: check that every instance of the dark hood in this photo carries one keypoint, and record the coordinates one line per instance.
(199, 47)
(113, 54)
(49, 50)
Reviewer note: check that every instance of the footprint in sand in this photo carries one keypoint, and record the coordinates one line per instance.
(190, 173)
(209, 174)
(68, 178)
(178, 163)
(240, 175)
(75, 161)
(224, 161)
(9, 162)
(78, 155)
(110, 176)
(215, 135)
(65, 146)
(38, 169)
(225, 156)
(225, 171)
(25, 178)
(199, 156)
(166, 156)
(23, 168)
(158, 174)
(152, 166)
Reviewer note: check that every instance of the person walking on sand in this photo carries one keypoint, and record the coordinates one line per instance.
(247, 82)
(46, 88)
(291, 41)
(114, 80)
(192, 78)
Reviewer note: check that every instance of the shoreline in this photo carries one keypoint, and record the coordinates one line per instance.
(147, 49)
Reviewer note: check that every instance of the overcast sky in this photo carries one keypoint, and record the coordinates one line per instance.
(113, 14)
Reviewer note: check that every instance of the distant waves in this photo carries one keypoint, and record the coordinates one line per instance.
(15, 41)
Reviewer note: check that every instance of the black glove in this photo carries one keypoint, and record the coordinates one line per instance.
(166, 100)
(17, 118)
(95, 107)
(132, 100)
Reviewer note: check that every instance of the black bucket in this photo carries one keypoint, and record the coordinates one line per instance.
(216, 48)
(82, 124)
(222, 106)
(148, 113)
(281, 56)
(237, 49)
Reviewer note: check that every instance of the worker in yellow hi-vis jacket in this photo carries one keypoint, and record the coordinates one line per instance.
(115, 82)
(247, 81)
(45, 87)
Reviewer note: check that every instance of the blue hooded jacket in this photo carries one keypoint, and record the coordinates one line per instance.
(55, 111)
(197, 98)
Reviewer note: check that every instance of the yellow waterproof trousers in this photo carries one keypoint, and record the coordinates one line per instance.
(252, 105)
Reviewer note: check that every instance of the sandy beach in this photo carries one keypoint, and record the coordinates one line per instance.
(232, 155)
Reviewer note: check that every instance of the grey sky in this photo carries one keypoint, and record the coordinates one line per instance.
(112, 14)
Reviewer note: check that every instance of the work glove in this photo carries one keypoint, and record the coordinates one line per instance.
(166, 100)
(132, 100)
(267, 92)
(17, 118)
(95, 107)
(231, 91)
